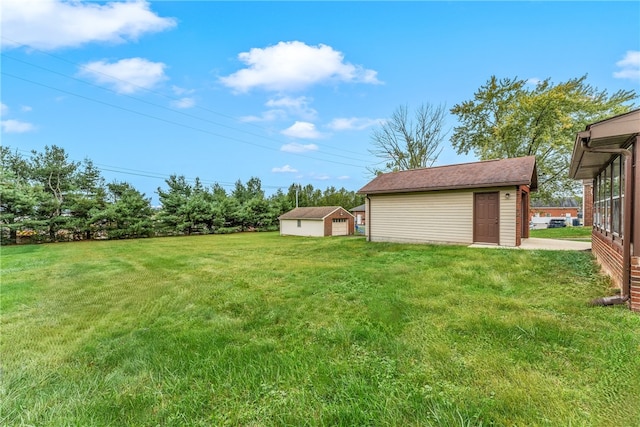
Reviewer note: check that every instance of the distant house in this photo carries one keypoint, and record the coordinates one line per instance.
(359, 212)
(567, 209)
(481, 202)
(317, 221)
(603, 156)
(554, 212)
(540, 216)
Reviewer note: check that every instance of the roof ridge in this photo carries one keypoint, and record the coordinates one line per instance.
(462, 164)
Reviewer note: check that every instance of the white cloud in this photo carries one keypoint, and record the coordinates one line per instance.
(285, 168)
(534, 81)
(267, 116)
(291, 66)
(320, 177)
(295, 106)
(344, 177)
(4, 109)
(181, 91)
(16, 126)
(282, 108)
(295, 147)
(25, 108)
(353, 123)
(303, 130)
(184, 103)
(54, 24)
(629, 66)
(127, 75)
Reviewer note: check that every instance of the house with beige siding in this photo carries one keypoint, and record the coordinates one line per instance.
(482, 202)
(604, 157)
(317, 221)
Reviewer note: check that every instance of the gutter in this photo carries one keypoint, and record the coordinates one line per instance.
(585, 138)
(450, 188)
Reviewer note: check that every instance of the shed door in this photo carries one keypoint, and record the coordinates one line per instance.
(486, 219)
(340, 227)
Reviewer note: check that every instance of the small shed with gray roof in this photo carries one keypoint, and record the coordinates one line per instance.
(317, 221)
(480, 202)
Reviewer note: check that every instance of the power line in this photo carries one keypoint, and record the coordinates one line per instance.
(160, 175)
(150, 91)
(153, 104)
(171, 121)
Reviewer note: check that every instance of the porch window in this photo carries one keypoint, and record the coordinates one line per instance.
(616, 196)
(608, 196)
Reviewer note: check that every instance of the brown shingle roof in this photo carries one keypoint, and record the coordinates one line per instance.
(318, 212)
(489, 173)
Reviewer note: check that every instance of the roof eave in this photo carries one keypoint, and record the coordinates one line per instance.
(299, 217)
(614, 133)
(337, 209)
(449, 188)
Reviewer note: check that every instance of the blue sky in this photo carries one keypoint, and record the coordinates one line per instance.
(284, 91)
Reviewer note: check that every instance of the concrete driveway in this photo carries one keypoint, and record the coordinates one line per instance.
(533, 243)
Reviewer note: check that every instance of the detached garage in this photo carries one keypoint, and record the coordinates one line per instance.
(481, 202)
(317, 221)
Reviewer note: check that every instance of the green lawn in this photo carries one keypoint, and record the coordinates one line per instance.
(573, 233)
(262, 330)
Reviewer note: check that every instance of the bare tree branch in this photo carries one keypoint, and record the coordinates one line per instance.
(403, 143)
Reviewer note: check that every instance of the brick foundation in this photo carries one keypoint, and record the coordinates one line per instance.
(635, 284)
(609, 256)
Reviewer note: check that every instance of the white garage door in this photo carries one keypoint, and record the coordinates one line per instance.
(340, 227)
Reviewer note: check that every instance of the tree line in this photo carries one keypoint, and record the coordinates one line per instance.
(48, 198)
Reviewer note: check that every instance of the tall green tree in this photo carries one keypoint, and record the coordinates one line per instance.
(187, 208)
(56, 174)
(279, 203)
(18, 198)
(342, 197)
(310, 196)
(403, 142)
(218, 198)
(306, 196)
(174, 200)
(254, 188)
(128, 214)
(252, 209)
(510, 118)
(88, 198)
(199, 211)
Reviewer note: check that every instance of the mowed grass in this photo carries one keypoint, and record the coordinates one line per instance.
(262, 330)
(572, 233)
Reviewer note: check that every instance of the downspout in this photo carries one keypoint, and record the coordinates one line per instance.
(368, 219)
(628, 203)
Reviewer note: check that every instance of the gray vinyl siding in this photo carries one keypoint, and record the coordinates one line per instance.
(421, 217)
